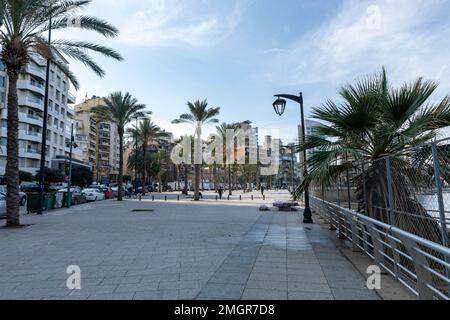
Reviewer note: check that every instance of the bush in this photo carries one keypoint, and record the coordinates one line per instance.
(81, 177)
(25, 176)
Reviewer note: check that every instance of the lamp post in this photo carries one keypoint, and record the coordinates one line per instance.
(280, 107)
(44, 126)
(72, 145)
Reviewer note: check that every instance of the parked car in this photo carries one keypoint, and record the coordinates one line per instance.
(77, 195)
(2, 206)
(108, 193)
(22, 195)
(152, 189)
(30, 188)
(93, 194)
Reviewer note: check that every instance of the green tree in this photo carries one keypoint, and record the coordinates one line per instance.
(25, 25)
(376, 120)
(148, 133)
(81, 176)
(120, 109)
(199, 115)
(25, 176)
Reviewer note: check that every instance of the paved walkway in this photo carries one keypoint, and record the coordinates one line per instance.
(178, 251)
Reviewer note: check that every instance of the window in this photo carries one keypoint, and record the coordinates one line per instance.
(2, 82)
(2, 66)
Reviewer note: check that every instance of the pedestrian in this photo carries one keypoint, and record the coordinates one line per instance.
(262, 190)
(220, 193)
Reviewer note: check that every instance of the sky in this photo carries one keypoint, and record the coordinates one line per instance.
(239, 53)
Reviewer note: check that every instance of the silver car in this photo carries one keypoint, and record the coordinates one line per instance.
(2, 206)
(22, 195)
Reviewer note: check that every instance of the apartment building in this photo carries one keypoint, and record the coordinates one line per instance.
(97, 141)
(31, 92)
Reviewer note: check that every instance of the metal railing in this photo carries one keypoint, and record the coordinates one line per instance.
(419, 264)
(409, 190)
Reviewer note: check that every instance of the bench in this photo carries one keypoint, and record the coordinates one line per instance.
(286, 206)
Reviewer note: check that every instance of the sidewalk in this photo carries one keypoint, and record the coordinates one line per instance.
(180, 250)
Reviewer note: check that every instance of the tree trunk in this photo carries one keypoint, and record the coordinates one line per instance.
(144, 176)
(216, 187)
(120, 192)
(186, 173)
(12, 158)
(197, 183)
(230, 187)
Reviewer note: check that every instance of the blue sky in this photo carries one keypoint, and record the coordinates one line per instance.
(238, 53)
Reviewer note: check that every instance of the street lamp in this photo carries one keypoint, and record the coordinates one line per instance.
(44, 125)
(72, 145)
(280, 107)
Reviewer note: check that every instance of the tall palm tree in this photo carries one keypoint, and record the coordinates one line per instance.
(376, 120)
(120, 109)
(23, 34)
(147, 133)
(199, 115)
(222, 133)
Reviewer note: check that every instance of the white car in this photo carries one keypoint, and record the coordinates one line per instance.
(2, 206)
(93, 195)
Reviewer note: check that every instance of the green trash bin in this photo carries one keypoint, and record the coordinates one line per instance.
(49, 201)
(65, 200)
(33, 203)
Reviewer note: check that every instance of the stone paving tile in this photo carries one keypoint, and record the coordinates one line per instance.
(182, 251)
(264, 294)
(304, 295)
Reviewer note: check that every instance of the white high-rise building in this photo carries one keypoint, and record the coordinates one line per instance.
(31, 92)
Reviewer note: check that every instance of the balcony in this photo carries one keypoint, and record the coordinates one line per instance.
(71, 98)
(30, 85)
(36, 71)
(32, 102)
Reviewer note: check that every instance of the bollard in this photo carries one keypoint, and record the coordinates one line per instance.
(264, 198)
(165, 198)
(252, 197)
(228, 197)
(178, 197)
(217, 198)
(140, 197)
(240, 197)
(153, 198)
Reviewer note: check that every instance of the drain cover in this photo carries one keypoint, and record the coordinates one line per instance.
(142, 210)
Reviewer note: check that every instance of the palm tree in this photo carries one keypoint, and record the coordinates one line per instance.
(147, 133)
(120, 109)
(374, 121)
(222, 133)
(24, 25)
(199, 115)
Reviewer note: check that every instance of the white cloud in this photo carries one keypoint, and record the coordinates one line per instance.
(174, 22)
(409, 42)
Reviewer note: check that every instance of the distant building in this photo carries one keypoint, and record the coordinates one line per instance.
(31, 92)
(311, 130)
(98, 141)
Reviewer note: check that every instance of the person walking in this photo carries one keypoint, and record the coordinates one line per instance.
(262, 190)
(220, 192)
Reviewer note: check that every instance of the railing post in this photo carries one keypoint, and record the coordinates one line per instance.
(391, 213)
(438, 174)
(366, 204)
(341, 219)
(443, 218)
